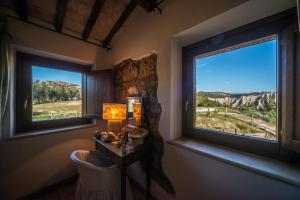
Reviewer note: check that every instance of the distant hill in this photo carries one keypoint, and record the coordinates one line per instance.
(61, 83)
(259, 100)
(53, 91)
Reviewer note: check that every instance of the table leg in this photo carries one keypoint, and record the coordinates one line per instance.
(123, 183)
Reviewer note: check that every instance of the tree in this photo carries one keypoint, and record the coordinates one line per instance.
(53, 91)
(203, 101)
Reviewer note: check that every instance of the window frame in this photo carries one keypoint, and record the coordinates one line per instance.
(23, 92)
(266, 27)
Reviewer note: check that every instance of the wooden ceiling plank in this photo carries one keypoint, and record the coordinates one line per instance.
(22, 9)
(98, 5)
(128, 10)
(61, 7)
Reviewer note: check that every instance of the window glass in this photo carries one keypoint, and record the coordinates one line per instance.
(56, 94)
(235, 90)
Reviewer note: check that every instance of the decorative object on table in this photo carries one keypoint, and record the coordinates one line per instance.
(136, 136)
(130, 102)
(137, 114)
(97, 135)
(109, 136)
(142, 74)
(114, 113)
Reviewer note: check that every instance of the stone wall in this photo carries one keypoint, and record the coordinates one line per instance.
(142, 75)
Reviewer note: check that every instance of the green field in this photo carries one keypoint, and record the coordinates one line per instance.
(56, 110)
(236, 123)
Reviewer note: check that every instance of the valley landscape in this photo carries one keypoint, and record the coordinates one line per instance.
(249, 114)
(55, 100)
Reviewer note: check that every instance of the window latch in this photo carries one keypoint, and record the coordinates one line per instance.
(186, 105)
(25, 103)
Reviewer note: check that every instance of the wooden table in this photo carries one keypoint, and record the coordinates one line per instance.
(124, 159)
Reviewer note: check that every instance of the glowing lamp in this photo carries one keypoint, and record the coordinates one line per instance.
(114, 113)
(137, 113)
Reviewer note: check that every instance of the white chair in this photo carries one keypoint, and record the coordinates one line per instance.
(99, 178)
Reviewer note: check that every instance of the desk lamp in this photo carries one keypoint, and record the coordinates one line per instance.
(114, 113)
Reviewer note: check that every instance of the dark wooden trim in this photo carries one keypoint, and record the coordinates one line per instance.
(23, 91)
(290, 60)
(22, 9)
(54, 63)
(46, 124)
(128, 10)
(283, 19)
(52, 131)
(92, 18)
(148, 5)
(262, 28)
(61, 7)
(100, 90)
(23, 94)
(51, 188)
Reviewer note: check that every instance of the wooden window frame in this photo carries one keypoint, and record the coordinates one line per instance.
(23, 94)
(266, 27)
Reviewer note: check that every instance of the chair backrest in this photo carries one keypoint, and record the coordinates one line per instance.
(94, 177)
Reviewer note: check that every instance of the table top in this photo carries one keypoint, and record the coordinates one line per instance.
(113, 148)
(119, 156)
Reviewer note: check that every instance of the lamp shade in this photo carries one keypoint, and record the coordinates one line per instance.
(114, 111)
(137, 110)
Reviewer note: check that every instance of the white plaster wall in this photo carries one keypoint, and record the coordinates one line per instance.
(32, 163)
(39, 39)
(199, 177)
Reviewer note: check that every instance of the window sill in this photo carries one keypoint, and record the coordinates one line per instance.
(50, 131)
(251, 162)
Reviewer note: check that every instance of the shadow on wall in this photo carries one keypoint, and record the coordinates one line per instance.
(142, 75)
(29, 164)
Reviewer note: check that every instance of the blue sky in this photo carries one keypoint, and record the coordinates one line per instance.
(48, 74)
(249, 69)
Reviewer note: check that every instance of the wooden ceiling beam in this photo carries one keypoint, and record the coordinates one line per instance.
(22, 9)
(128, 10)
(92, 18)
(148, 5)
(61, 7)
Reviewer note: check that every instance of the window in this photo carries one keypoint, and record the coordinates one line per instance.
(232, 87)
(56, 94)
(49, 93)
(235, 90)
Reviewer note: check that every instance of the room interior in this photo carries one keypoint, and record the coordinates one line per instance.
(149, 99)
